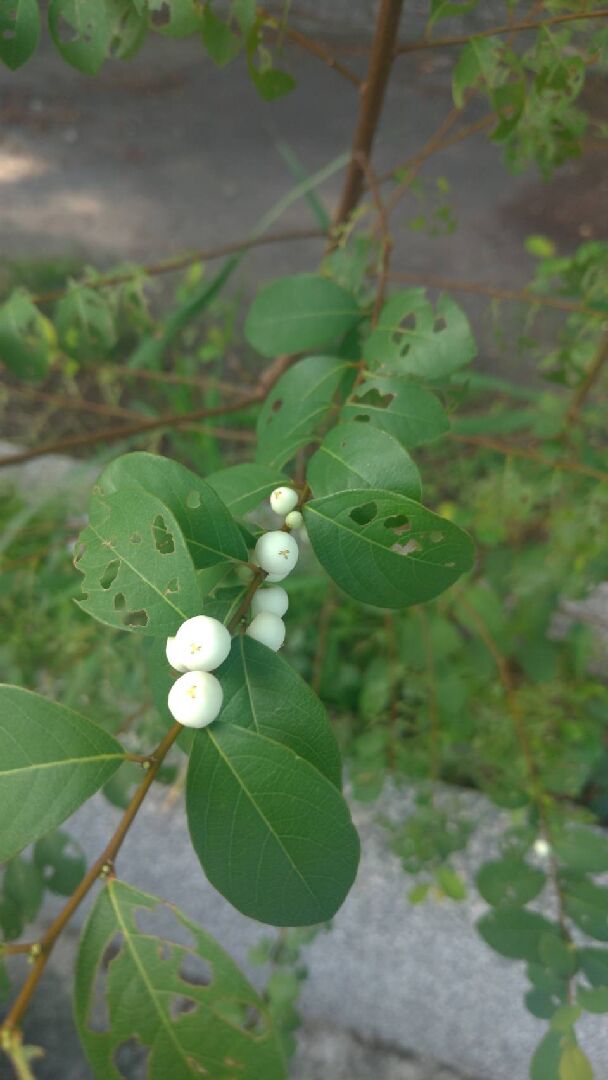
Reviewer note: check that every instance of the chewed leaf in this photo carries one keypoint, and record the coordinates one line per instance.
(19, 31)
(412, 339)
(138, 573)
(153, 987)
(409, 413)
(385, 549)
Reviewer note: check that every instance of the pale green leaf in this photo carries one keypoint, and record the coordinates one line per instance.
(574, 1064)
(81, 31)
(405, 410)
(299, 314)
(85, 323)
(243, 487)
(413, 339)
(358, 456)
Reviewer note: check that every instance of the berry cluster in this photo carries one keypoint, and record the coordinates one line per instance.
(202, 643)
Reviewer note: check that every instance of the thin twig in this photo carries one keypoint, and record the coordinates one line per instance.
(505, 28)
(202, 382)
(316, 48)
(64, 401)
(586, 386)
(510, 450)
(386, 240)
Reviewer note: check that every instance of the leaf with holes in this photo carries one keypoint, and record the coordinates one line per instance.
(85, 323)
(412, 339)
(243, 487)
(406, 411)
(299, 403)
(61, 862)
(357, 456)
(264, 694)
(207, 526)
(509, 882)
(273, 834)
(19, 31)
(26, 337)
(300, 314)
(153, 988)
(385, 549)
(51, 760)
(175, 18)
(138, 572)
(587, 905)
(81, 31)
(515, 932)
(128, 28)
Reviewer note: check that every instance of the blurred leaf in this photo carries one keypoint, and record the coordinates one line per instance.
(81, 32)
(299, 314)
(582, 849)
(574, 1064)
(19, 31)
(25, 335)
(61, 861)
(514, 932)
(509, 882)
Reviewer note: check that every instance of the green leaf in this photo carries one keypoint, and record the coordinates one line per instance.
(446, 9)
(128, 28)
(359, 456)
(273, 835)
(412, 339)
(23, 885)
(174, 18)
(594, 963)
(546, 1059)
(81, 31)
(542, 1003)
(565, 1018)
(51, 760)
(298, 314)
(593, 1001)
(61, 861)
(174, 992)
(406, 411)
(297, 405)
(19, 31)
(138, 572)
(509, 882)
(474, 61)
(385, 549)
(559, 957)
(11, 918)
(219, 40)
(243, 487)
(514, 932)
(207, 526)
(582, 849)
(587, 906)
(262, 693)
(271, 83)
(85, 323)
(574, 1064)
(451, 883)
(25, 335)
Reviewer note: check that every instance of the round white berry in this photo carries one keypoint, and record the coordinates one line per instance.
(274, 600)
(283, 499)
(277, 553)
(267, 628)
(174, 655)
(202, 643)
(294, 520)
(541, 847)
(195, 699)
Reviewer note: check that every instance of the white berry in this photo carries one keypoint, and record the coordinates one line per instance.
(277, 553)
(283, 499)
(268, 629)
(294, 520)
(202, 643)
(541, 847)
(274, 600)
(174, 655)
(195, 699)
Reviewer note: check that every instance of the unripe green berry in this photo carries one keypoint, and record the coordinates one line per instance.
(195, 699)
(294, 520)
(201, 644)
(274, 600)
(268, 629)
(283, 499)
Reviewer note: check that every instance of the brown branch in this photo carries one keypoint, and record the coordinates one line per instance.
(370, 108)
(64, 401)
(506, 28)
(202, 382)
(100, 868)
(525, 296)
(509, 450)
(386, 240)
(315, 48)
(181, 262)
(586, 386)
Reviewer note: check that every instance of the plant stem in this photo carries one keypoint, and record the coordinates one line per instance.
(510, 450)
(372, 99)
(316, 48)
(506, 28)
(589, 381)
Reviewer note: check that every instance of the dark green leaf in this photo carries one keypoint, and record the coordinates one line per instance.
(587, 906)
(207, 526)
(11, 918)
(243, 487)
(23, 885)
(297, 406)
(51, 760)
(25, 335)
(19, 31)
(406, 411)
(594, 963)
(582, 849)
(138, 572)
(509, 882)
(558, 956)
(271, 83)
(219, 40)
(81, 31)
(264, 694)
(358, 456)
(546, 1059)
(412, 339)
(61, 861)
(542, 1004)
(172, 991)
(298, 314)
(273, 835)
(593, 1001)
(514, 932)
(386, 549)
